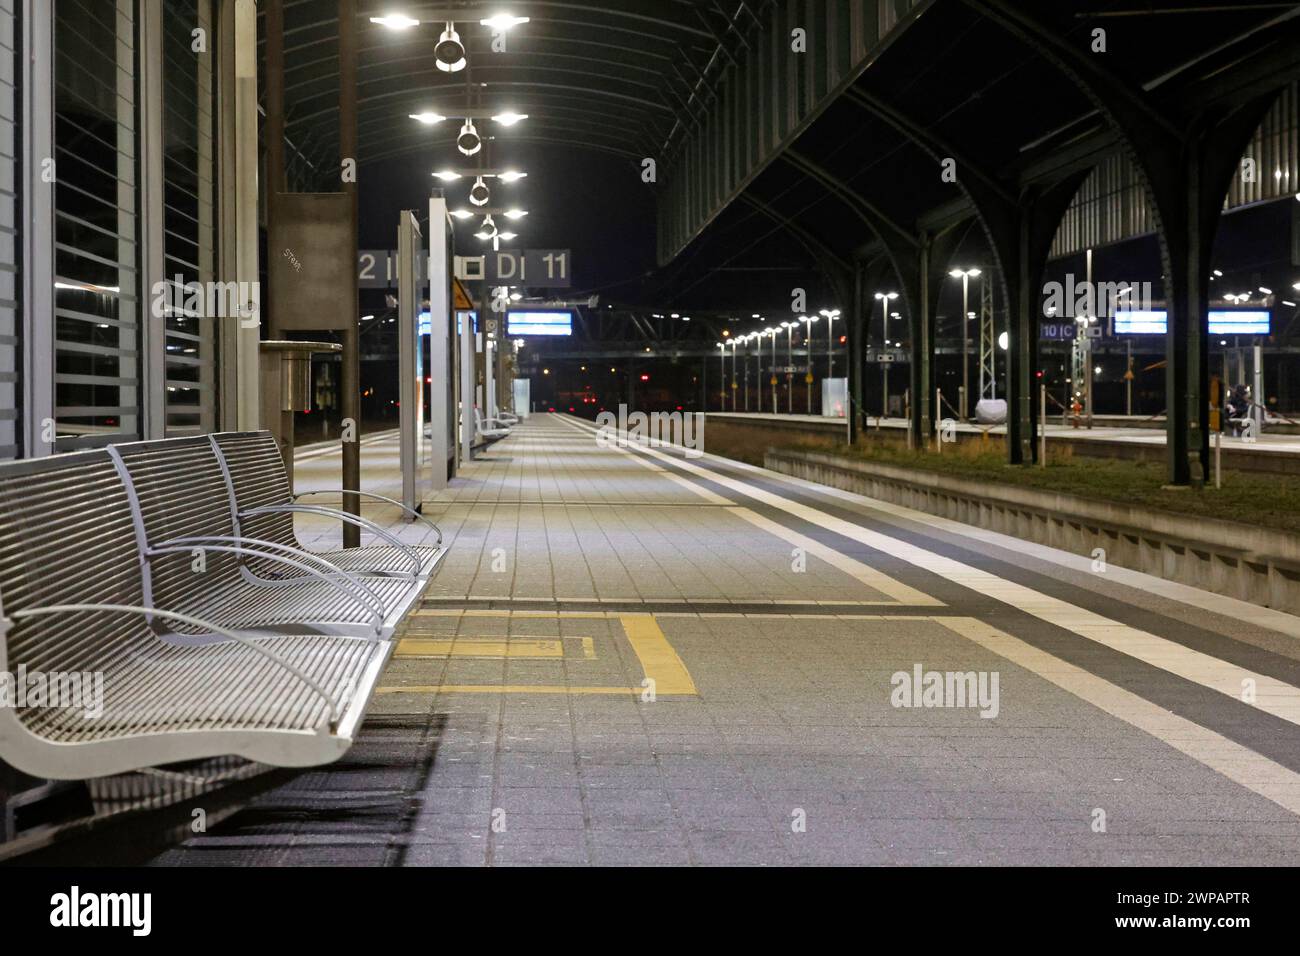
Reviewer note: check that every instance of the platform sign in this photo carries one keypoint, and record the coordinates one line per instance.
(534, 268)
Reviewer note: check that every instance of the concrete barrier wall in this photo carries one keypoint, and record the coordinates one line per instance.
(1254, 564)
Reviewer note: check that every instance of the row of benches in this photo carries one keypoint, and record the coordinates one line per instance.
(171, 569)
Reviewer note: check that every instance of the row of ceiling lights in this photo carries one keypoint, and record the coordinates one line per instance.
(449, 56)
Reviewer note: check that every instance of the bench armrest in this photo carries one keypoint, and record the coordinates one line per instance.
(370, 494)
(186, 619)
(347, 518)
(311, 564)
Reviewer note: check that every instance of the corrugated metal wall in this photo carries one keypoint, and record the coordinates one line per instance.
(1112, 204)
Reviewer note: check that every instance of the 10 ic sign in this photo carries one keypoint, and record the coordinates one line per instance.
(535, 268)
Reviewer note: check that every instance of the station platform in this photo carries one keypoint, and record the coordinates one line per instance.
(634, 657)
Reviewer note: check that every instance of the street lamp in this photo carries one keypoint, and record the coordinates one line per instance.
(965, 275)
(789, 364)
(772, 333)
(734, 344)
(831, 316)
(808, 320)
(722, 374)
(884, 298)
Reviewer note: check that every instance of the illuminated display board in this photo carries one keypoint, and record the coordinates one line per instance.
(1222, 322)
(559, 322)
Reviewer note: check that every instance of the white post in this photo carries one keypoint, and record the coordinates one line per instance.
(1042, 426)
(441, 375)
(938, 421)
(1218, 458)
(1258, 390)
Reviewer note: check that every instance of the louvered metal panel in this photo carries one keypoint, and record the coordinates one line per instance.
(9, 218)
(96, 202)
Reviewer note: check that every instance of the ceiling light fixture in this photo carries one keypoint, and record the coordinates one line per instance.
(396, 21)
(450, 52)
(468, 141)
(502, 21)
(479, 193)
(428, 119)
(509, 119)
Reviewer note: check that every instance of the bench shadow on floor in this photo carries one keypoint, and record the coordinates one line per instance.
(358, 810)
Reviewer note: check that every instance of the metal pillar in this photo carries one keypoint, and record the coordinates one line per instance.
(440, 317)
(988, 342)
(965, 343)
(410, 386)
(274, 74)
(248, 357)
(921, 380)
(856, 342)
(351, 373)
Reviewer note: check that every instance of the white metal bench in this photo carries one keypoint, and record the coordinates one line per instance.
(74, 601)
(195, 561)
(489, 429)
(264, 509)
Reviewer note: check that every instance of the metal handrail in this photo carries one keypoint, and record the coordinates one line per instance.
(347, 518)
(370, 494)
(361, 594)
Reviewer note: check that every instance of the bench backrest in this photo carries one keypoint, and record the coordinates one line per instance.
(67, 537)
(257, 472)
(180, 488)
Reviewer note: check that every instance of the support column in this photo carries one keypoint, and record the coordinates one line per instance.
(856, 344)
(274, 131)
(247, 359)
(1022, 352)
(350, 402)
(921, 372)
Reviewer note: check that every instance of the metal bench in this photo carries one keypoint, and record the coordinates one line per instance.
(74, 602)
(489, 429)
(195, 561)
(264, 509)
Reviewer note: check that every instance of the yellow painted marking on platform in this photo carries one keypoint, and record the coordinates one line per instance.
(506, 612)
(504, 689)
(489, 648)
(658, 660)
(657, 656)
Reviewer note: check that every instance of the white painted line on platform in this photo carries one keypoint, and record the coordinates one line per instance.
(1238, 763)
(1272, 696)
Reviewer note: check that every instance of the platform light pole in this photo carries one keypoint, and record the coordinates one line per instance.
(884, 298)
(772, 332)
(965, 275)
(722, 373)
(808, 320)
(789, 363)
(831, 316)
(734, 343)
